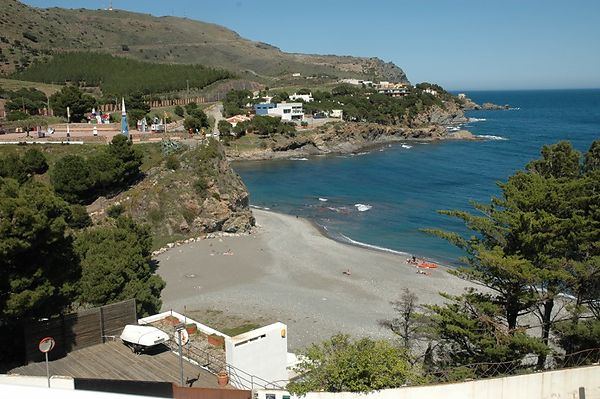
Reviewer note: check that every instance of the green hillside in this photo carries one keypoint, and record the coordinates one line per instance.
(29, 34)
(120, 76)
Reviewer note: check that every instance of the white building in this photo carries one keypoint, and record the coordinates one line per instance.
(462, 96)
(254, 359)
(287, 111)
(336, 113)
(430, 91)
(304, 97)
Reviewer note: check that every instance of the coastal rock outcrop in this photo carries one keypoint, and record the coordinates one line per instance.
(339, 138)
(201, 195)
(468, 104)
(450, 114)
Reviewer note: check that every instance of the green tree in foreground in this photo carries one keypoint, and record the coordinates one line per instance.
(538, 239)
(38, 269)
(116, 265)
(343, 365)
(471, 329)
(72, 179)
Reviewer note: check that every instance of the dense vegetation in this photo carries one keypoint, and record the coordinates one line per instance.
(24, 102)
(52, 259)
(78, 103)
(81, 180)
(118, 76)
(366, 105)
(116, 265)
(263, 125)
(538, 241)
(343, 365)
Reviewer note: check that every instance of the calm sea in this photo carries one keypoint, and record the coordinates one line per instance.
(382, 198)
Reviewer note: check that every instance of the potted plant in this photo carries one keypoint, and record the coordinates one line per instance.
(191, 328)
(216, 340)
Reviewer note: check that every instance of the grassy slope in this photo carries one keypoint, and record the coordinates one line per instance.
(11, 84)
(160, 39)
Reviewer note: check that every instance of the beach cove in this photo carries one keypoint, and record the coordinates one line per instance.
(288, 271)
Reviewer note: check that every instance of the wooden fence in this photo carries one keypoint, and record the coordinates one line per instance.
(79, 330)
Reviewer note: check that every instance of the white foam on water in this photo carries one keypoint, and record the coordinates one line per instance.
(406, 146)
(260, 207)
(491, 137)
(298, 159)
(323, 199)
(477, 119)
(362, 207)
(370, 246)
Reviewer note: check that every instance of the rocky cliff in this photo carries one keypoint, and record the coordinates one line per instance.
(345, 138)
(450, 113)
(193, 193)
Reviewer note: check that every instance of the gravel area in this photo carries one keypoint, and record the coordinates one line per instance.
(288, 271)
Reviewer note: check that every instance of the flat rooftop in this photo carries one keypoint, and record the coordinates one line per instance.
(115, 361)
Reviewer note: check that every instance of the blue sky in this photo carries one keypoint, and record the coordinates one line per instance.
(460, 44)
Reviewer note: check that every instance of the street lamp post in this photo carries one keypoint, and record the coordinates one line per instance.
(180, 327)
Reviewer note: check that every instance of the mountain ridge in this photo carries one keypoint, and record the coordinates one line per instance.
(31, 34)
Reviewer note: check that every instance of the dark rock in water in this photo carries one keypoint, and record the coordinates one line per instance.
(491, 106)
(468, 104)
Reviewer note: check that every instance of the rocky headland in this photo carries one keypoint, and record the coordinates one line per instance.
(352, 137)
(470, 105)
(194, 193)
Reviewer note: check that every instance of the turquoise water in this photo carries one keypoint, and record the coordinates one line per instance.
(406, 186)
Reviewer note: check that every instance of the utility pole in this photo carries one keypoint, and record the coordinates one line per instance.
(187, 96)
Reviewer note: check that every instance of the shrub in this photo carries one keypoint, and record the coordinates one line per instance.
(179, 111)
(115, 211)
(79, 218)
(34, 161)
(200, 185)
(172, 162)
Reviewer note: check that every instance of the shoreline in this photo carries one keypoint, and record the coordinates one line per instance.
(288, 271)
(354, 142)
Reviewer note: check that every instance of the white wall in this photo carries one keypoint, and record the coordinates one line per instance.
(261, 352)
(27, 392)
(32, 381)
(255, 355)
(549, 385)
(295, 109)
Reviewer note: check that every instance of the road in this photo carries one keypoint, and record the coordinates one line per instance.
(216, 111)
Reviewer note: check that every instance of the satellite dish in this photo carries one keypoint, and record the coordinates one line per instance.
(46, 344)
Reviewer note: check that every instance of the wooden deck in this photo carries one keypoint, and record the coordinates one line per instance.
(115, 361)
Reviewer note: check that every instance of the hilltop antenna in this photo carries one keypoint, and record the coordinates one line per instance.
(110, 5)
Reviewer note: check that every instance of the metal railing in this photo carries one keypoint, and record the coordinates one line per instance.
(205, 360)
(526, 365)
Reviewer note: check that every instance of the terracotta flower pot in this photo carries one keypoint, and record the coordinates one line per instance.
(191, 328)
(222, 378)
(216, 340)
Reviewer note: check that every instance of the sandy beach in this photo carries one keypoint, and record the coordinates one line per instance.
(288, 271)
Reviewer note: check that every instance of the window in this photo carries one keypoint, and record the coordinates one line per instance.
(269, 396)
(287, 111)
